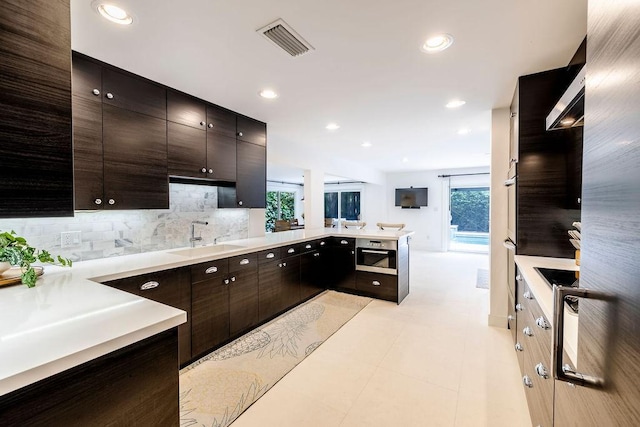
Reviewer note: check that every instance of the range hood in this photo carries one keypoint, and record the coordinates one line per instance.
(569, 110)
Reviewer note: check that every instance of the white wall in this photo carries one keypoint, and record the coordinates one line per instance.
(498, 305)
(430, 223)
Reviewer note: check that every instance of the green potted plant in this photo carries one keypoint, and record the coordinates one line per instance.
(15, 251)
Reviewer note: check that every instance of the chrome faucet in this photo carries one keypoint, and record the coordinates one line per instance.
(193, 238)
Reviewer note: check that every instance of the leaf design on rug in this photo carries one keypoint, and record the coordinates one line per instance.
(287, 331)
(311, 347)
(185, 412)
(252, 341)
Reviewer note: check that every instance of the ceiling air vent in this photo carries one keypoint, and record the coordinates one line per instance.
(285, 37)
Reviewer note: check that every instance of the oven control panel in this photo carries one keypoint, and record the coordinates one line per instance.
(378, 244)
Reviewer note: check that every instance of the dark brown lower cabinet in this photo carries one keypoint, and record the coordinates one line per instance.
(170, 287)
(536, 374)
(382, 286)
(311, 274)
(290, 281)
(269, 287)
(135, 385)
(209, 306)
(243, 293)
(342, 265)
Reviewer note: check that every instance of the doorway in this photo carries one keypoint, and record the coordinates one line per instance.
(469, 219)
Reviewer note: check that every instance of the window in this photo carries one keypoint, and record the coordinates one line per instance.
(280, 205)
(342, 204)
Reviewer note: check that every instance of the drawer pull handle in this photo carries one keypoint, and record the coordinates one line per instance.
(226, 281)
(518, 277)
(280, 265)
(211, 270)
(527, 331)
(316, 254)
(527, 381)
(519, 307)
(344, 242)
(149, 285)
(270, 255)
(323, 243)
(291, 250)
(375, 283)
(245, 261)
(527, 295)
(233, 278)
(542, 371)
(307, 247)
(542, 323)
(519, 347)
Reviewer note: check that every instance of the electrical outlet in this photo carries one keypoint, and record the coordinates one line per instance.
(69, 239)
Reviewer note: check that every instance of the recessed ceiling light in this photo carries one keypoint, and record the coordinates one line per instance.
(455, 103)
(366, 144)
(115, 14)
(437, 43)
(332, 126)
(567, 122)
(268, 94)
(463, 131)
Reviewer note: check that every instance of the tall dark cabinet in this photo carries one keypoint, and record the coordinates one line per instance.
(36, 160)
(546, 167)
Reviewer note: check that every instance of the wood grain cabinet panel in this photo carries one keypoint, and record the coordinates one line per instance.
(253, 131)
(186, 110)
(221, 157)
(312, 270)
(134, 93)
(251, 179)
(221, 121)
(36, 158)
(243, 293)
(186, 151)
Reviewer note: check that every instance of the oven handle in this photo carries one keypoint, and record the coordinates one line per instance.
(370, 251)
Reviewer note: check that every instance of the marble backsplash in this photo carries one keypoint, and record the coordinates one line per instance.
(113, 233)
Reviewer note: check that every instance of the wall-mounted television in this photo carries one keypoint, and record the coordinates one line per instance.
(412, 198)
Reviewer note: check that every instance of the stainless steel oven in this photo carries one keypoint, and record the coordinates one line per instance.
(377, 256)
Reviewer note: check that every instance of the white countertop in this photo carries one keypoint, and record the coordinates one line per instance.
(69, 318)
(544, 295)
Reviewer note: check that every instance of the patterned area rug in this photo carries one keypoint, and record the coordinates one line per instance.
(216, 389)
(482, 280)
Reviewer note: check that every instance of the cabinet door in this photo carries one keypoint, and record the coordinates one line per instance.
(134, 93)
(311, 273)
(135, 160)
(250, 130)
(36, 159)
(343, 261)
(186, 110)
(221, 157)
(291, 281)
(243, 301)
(87, 153)
(172, 287)
(269, 294)
(187, 152)
(251, 180)
(210, 314)
(221, 121)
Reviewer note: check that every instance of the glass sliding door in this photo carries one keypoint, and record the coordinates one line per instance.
(469, 227)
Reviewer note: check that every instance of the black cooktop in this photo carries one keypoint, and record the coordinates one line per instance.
(561, 278)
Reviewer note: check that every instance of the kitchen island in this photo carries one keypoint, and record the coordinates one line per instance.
(70, 319)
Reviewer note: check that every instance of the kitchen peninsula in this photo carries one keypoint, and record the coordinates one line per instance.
(68, 322)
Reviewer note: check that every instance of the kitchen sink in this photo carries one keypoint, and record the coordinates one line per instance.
(206, 250)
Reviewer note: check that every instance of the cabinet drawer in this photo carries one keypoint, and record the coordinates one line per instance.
(162, 286)
(248, 262)
(289, 250)
(382, 286)
(348, 242)
(209, 270)
(268, 255)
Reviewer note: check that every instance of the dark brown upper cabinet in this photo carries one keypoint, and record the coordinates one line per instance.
(201, 139)
(250, 130)
(36, 159)
(251, 183)
(120, 141)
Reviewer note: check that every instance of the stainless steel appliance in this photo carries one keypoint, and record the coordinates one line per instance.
(377, 256)
(510, 183)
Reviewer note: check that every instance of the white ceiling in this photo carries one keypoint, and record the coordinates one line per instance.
(367, 72)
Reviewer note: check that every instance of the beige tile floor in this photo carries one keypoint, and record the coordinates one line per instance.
(431, 361)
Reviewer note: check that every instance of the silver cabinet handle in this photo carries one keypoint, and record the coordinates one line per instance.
(226, 281)
(561, 372)
(542, 371)
(542, 323)
(344, 242)
(323, 243)
(291, 250)
(527, 381)
(202, 123)
(211, 125)
(112, 202)
(519, 307)
(233, 278)
(149, 285)
(519, 347)
(210, 170)
(527, 331)
(375, 283)
(240, 134)
(509, 244)
(98, 201)
(240, 202)
(307, 247)
(284, 264)
(211, 270)
(270, 255)
(280, 264)
(109, 95)
(512, 115)
(96, 92)
(518, 277)
(316, 254)
(509, 182)
(203, 170)
(244, 261)
(510, 317)
(527, 295)
(371, 251)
